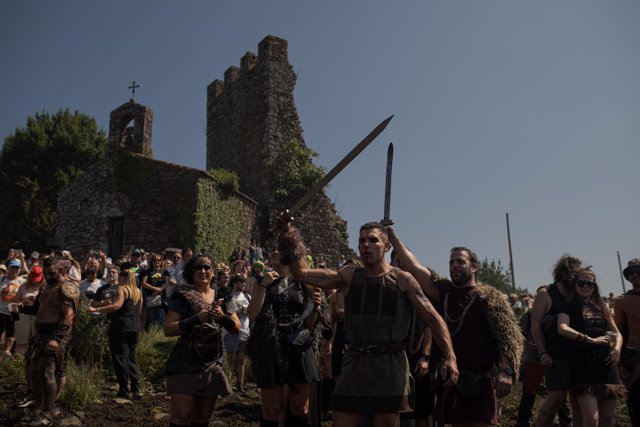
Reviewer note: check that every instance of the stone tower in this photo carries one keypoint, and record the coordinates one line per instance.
(130, 128)
(251, 115)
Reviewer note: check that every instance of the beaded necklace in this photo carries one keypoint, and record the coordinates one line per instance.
(459, 320)
(47, 290)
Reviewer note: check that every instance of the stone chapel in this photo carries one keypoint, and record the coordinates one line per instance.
(132, 200)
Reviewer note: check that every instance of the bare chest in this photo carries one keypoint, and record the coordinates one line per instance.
(50, 309)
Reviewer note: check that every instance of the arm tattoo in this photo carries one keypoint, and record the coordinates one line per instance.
(316, 275)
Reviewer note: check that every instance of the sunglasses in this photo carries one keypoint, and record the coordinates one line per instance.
(205, 267)
(586, 284)
(632, 273)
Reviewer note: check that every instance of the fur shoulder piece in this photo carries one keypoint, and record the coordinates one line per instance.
(291, 247)
(186, 294)
(503, 325)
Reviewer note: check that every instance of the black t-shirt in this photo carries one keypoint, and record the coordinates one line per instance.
(154, 278)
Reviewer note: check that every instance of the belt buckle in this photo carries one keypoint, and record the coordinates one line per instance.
(371, 350)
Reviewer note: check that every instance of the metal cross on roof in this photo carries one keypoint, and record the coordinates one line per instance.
(133, 89)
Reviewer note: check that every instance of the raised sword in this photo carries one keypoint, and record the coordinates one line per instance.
(338, 168)
(386, 220)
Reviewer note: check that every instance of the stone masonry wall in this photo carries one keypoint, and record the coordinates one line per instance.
(250, 116)
(158, 200)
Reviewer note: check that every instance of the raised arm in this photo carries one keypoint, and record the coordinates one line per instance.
(292, 251)
(439, 330)
(324, 278)
(413, 266)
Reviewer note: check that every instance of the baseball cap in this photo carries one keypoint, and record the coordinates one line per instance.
(14, 263)
(36, 274)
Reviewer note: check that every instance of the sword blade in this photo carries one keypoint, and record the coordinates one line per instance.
(340, 166)
(387, 187)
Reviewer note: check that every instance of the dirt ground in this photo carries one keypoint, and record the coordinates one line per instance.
(234, 410)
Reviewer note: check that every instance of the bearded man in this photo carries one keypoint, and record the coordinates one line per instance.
(485, 335)
(379, 303)
(54, 308)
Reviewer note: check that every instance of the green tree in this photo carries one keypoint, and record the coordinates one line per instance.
(295, 174)
(494, 274)
(37, 161)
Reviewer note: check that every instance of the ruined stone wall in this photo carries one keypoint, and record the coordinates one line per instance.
(250, 116)
(161, 204)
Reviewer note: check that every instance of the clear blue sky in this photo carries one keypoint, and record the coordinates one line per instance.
(531, 108)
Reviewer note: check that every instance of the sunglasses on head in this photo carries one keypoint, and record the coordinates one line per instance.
(586, 284)
(205, 267)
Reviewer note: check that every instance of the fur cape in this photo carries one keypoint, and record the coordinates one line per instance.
(502, 323)
(291, 247)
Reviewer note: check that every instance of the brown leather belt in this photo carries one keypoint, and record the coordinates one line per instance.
(377, 349)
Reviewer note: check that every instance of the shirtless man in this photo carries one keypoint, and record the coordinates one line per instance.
(626, 309)
(379, 300)
(54, 308)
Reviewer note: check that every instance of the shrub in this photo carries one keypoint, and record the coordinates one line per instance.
(84, 385)
(152, 353)
(12, 371)
(89, 343)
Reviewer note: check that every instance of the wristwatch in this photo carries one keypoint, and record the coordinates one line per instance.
(508, 370)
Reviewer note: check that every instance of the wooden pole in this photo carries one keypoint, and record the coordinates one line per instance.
(624, 289)
(513, 275)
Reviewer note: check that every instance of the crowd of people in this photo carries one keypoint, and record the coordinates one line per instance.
(376, 343)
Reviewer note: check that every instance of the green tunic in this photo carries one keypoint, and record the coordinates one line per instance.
(376, 313)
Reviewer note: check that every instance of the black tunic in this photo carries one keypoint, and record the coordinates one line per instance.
(275, 362)
(588, 370)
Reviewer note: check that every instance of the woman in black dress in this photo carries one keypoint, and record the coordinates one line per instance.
(595, 355)
(282, 349)
(195, 377)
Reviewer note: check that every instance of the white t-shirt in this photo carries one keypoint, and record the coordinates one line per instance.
(91, 287)
(238, 304)
(8, 292)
